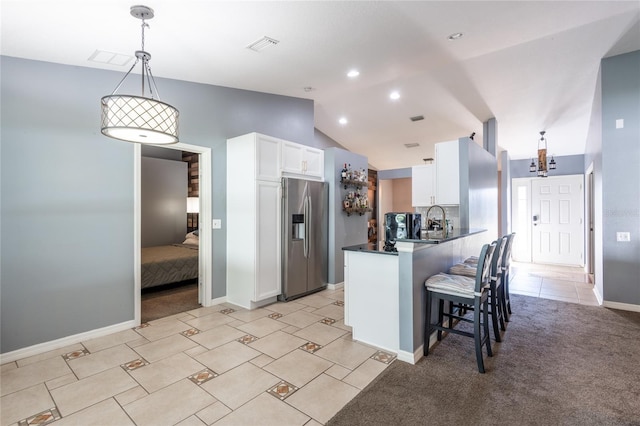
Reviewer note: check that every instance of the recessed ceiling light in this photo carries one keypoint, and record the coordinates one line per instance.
(353, 73)
(343, 121)
(395, 95)
(455, 36)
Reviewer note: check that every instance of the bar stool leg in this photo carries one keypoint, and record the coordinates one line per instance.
(427, 324)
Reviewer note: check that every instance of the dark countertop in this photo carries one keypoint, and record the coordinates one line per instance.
(370, 248)
(435, 238)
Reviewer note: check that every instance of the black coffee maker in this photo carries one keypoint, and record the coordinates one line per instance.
(401, 225)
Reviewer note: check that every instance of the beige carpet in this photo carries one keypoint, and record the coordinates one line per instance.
(559, 364)
(167, 300)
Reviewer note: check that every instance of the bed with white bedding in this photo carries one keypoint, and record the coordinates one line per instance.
(170, 263)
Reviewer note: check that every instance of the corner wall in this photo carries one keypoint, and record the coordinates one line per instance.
(343, 230)
(478, 173)
(621, 178)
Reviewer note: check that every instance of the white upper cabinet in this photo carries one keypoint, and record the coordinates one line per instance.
(302, 160)
(438, 183)
(423, 189)
(267, 161)
(448, 173)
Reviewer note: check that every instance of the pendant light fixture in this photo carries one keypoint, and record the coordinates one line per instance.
(542, 166)
(140, 119)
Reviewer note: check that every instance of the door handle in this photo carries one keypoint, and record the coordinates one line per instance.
(535, 220)
(306, 227)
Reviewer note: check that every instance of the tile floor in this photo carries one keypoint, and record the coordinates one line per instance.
(568, 284)
(286, 364)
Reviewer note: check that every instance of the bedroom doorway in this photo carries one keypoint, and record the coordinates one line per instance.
(187, 291)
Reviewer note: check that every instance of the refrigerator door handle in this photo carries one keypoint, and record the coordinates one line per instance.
(306, 226)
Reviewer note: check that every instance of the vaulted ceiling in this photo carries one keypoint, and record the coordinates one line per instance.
(531, 65)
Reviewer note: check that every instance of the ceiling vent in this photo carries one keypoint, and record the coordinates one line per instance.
(417, 118)
(111, 58)
(411, 145)
(262, 44)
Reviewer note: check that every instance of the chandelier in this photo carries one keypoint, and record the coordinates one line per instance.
(140, 119)
(542, 166)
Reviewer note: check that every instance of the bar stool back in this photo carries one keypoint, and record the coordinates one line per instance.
(461, 291)
(506, 269)
(496, 290)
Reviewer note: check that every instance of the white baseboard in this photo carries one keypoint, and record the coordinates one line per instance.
(622, 306)
(409, 357)
(218, 300)
(65, 341)
(598, 295)
(336, 286)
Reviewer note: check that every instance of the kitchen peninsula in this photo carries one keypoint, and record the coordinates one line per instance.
(384, 291)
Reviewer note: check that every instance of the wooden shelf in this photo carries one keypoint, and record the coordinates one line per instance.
(356, 183)
(359, 210)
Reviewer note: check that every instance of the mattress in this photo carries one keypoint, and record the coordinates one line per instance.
(169, 264)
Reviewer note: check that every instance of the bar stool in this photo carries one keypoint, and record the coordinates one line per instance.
(462, 292)
(505, 263)
(496, 295)
(506, 270)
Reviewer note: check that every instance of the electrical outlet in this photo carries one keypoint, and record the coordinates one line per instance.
(216, 224)
(623, 236)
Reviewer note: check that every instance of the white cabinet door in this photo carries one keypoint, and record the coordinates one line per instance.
(267, 240)
(447, 173)
(422, 185)
(313, 162)
(267, 158)
(292, 157)
(302, 160)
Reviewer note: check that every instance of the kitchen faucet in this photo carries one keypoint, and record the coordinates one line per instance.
(444, 219)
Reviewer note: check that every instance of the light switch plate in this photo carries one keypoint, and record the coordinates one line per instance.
(623, 236)
(216, 223)
(620, 123)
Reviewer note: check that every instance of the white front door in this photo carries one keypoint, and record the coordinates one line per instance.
(547, 217)
(557, 209)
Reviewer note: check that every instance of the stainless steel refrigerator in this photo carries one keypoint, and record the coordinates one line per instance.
(305, 225)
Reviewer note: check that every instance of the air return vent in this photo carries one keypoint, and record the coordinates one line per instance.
(411, 145)
(417, 118)
(262, 44)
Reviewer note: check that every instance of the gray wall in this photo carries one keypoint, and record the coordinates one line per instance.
(323, 141)
(67, 191)
(343, 230)
(567, 165)
(163, 201)
(505, 194)
(478, 174)
(161, 152)
(621, 177)
(394, 173)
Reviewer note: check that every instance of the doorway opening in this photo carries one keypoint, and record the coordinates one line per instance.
(177, 273)
(547, 216)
